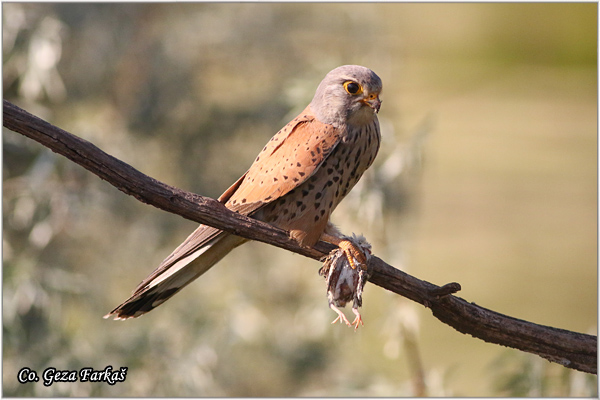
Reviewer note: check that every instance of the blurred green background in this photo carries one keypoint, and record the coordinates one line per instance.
(487, 176)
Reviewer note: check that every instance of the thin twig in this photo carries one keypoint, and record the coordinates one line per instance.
(571, 349)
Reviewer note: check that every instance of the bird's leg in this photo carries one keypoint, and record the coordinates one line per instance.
(352, 251)
(358, 319)
(341, 317)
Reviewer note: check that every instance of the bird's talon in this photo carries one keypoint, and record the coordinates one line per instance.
(353, 253)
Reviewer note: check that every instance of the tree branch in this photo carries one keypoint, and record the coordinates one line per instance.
(571, 349)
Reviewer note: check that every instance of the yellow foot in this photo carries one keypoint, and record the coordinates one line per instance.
(353, 253)
(350, 249)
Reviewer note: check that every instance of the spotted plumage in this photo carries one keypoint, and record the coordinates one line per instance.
(295, 182)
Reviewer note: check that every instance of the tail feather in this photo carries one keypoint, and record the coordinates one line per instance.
(170, 279)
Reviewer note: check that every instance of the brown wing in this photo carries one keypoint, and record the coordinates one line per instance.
(289, 159)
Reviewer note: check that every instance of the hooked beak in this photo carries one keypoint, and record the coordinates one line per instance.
(374, 102)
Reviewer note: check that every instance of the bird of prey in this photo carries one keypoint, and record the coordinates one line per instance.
(295, 183)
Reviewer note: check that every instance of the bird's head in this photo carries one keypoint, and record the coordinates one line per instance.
(348, 95)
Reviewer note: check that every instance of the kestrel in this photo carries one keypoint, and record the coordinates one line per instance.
(295, 183)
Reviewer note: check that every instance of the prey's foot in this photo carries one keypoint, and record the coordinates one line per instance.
(341, 317)
(357, 320)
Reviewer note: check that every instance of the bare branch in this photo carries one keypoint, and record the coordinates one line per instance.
(571, 349)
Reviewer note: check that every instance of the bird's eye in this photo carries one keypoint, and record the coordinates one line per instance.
(352, 87)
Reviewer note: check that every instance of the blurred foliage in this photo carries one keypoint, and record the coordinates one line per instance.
(525, 375)
(487, 176)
